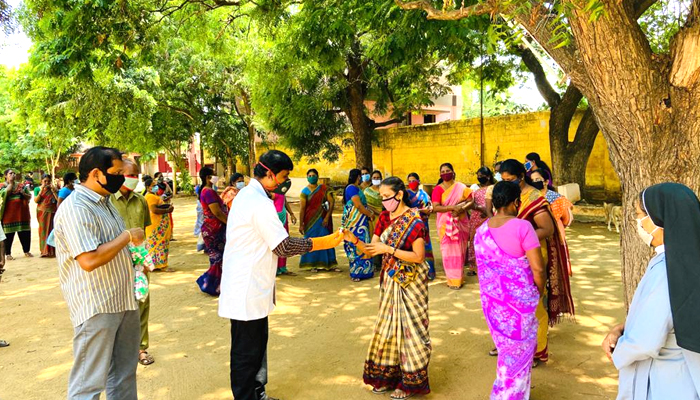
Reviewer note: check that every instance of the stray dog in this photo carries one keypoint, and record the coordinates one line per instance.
(613, 215)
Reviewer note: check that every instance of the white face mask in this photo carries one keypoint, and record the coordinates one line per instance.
(240, 185)
(498, 177)
(214, 180)
(646, 237)
(376, 182)
(131, 183)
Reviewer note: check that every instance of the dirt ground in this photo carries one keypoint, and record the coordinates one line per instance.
(319, 332)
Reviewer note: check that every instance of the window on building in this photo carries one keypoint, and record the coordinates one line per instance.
(429, 118)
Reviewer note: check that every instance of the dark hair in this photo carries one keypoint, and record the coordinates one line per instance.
(204, 173)
(396, 184)
(514, 167)
(46, 176)
(157, 175)
(148, 181)
(505, 193)
(69, 177)
(365, 169)
(352, 178)
(533, 157)
(376, 171)
(234, 178)
(486, 171)
(6, 171)
(144, 177)
(546, 175)
(98, 157)
(415, 175)
(542, 165)
(275, 160)
(312, 170)
(447, 165)
(497, 164)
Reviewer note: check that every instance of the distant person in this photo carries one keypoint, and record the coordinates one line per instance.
(14, 209)
(533, 162)
(213, 231)
(356, 217)
(420, 200)
(47, 203)
(479, 213)
(374, 203)
(133, 209)
(399, 352)
(511, 280)
(69, 181)
(535, 209)
(449, 202)
(29, 179)
(657, 350)
(365, 178)
(159, 231)
(284, 212)
(235, 183)
(316, 220)
(97, 280)
(255, 238)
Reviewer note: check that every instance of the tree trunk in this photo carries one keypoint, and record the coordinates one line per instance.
(252, 134)
(357, 114)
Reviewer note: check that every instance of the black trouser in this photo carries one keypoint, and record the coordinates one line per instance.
(248, 347)
(25, 237)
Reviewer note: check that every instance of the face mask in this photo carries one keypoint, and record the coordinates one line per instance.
(214, 180)
(391, 204)
(366, 177)
(516, 181)
(313, 179)
(240, 185)
(498, 177)
(283, 187)
(482, 179)
(154, 190)
(376, 182)
(646, 237)
(447, 177)
(130, 183)
(413, 185)
(538, 185)
(528, 165)
(160, 179)
(114, 182)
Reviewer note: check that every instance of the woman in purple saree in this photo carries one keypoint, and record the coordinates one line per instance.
(511, 278)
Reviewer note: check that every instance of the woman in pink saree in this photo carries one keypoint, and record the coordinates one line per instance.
(511, 278)
(450, 204)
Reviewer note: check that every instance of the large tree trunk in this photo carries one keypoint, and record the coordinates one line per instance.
(356, 112)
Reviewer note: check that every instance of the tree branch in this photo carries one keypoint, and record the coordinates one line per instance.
(586, 132)
(545, 88)
(434, 13)
(640, 7)
(392, 121)
(176, 109)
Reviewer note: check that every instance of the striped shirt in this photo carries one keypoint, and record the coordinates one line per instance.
(84, 221)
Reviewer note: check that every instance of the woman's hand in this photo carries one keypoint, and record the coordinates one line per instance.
(294, 219)
(611, 339)
(348, 236)
(301, 229)
(326, 222)
(375, 249)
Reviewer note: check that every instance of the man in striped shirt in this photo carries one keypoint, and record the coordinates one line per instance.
(97, 281)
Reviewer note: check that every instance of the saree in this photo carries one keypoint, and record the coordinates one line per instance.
(561, 211)
(358, 224)
(374, 201)
(421, 200)
(280, 201)
(399, 351)
(158, 234)
(557, 299)
(476, 219)
(45, 211)
(453, 233)
(314, 215)
(509, 299)
(15, 209)
(214, 235)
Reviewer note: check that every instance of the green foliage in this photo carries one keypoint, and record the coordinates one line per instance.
(662, 21)
(184, 183)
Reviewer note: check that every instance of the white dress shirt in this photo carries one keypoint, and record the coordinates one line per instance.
(253, 230)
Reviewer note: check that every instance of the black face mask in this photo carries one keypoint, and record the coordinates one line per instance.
(538, 185)
(114, 182)
(283, 187)
(482, 179)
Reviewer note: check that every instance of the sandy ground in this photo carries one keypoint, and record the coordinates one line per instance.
(318, 334)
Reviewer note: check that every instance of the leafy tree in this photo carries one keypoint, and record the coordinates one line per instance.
(646, 96)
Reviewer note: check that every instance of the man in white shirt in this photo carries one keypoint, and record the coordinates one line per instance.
(255, 238)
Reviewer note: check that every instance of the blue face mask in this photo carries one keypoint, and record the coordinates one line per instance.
(498, 177)
(366, 177)
(240, 185)
(154, 190)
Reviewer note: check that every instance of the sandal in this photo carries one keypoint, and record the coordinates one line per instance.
(380, 390)
(471, 273)
(289, 273)
(9, 257)
(314, 270)
(28, 255)
(405, 395)
(4, 343)
(535, 363)
(494, 352)
(145, 358)
(454, 287)
(356, 279)
(337, 270)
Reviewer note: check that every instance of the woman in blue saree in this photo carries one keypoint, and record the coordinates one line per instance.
(316, 216)
(356, 217)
